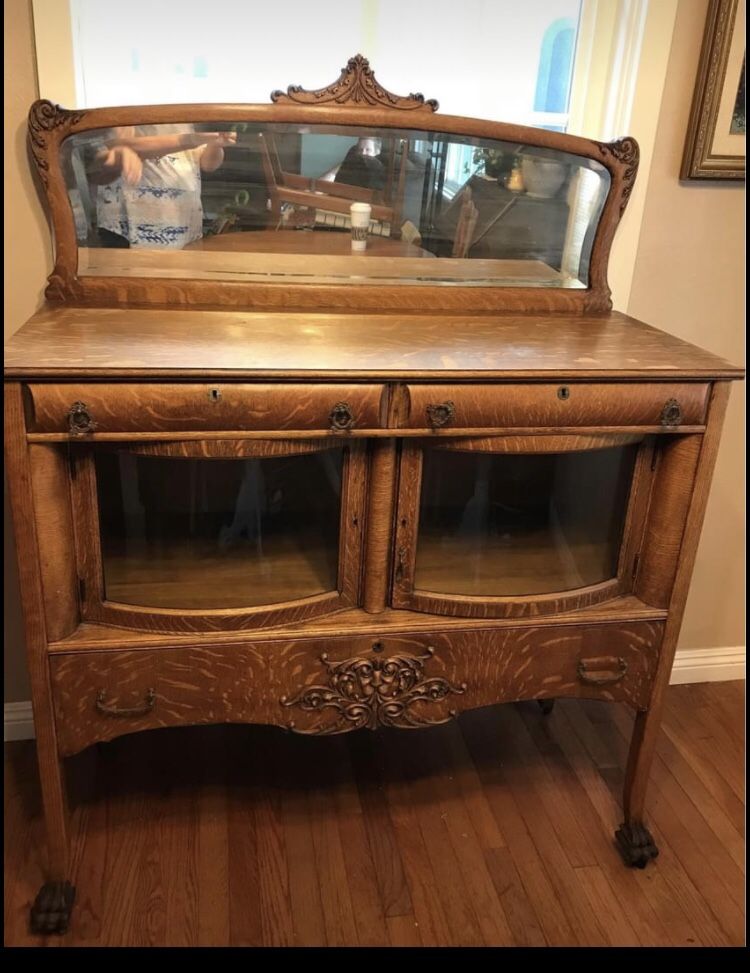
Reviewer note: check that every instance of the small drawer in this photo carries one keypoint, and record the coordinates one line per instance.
(82, 409)
(663, 405)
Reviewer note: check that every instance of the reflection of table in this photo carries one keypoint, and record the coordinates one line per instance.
(320, 242)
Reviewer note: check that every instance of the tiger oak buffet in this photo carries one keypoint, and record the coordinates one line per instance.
(260, 476)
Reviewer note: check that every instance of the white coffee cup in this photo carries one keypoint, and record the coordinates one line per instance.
(360, 216)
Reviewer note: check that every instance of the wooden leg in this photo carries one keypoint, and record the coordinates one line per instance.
(634, 840)
(50, 912)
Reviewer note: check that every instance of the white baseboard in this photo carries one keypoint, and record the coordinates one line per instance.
(719, 664)
(690, 665)
(19, 723)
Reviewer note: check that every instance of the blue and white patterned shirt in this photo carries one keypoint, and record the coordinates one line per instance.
(164, 211)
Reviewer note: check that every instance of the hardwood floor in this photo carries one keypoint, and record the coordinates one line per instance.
(495, 830)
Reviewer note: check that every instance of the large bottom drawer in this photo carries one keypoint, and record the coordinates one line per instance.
(319, 686)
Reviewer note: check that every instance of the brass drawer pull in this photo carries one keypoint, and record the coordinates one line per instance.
(341, 417)
(80, 422)
(146, 707)
(671, 414)
(441, 415)
(600, 673)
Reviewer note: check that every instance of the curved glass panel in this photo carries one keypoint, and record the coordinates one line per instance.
(216, 533)
(501, 524)
(331, 204)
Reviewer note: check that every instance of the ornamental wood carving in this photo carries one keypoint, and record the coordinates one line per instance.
(365, 692)
(355, 85)
(46, 117)
(626, 151)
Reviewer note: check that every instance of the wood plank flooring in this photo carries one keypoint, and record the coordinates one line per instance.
(494, 830)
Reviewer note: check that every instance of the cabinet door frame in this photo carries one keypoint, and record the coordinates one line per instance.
(96, 608)
(406, 596)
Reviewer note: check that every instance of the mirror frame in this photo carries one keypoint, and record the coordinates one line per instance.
(355, 98)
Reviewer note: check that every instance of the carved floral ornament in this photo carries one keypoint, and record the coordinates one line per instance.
(365, 692)
(45, 117)
(355, 85)
(627, 152)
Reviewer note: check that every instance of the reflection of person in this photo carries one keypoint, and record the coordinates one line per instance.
(362, 166)
(150, 184)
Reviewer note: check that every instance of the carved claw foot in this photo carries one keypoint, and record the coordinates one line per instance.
(636, 845)
(546, 705)
(51, 910)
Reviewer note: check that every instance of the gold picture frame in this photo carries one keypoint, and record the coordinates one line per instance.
(715, 144)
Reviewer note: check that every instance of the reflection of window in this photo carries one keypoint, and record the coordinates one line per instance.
(555, 63)
(459, 167)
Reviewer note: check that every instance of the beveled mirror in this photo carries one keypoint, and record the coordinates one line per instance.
(289, 204)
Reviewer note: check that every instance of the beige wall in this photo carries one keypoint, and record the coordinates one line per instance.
(689, 280)
(27, 263)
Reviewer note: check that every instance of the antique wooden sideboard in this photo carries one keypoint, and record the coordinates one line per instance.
(331, 491)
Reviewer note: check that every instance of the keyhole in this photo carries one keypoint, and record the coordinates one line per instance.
(563, 393)
(377, 646)
(214, 395)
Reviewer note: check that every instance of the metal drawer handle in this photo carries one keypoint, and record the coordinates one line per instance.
(600, 673)
(341, 417)
(441, 415)
(80, 421)
(671, 414)
(146, 707)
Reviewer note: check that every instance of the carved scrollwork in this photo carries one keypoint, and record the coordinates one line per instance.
(61, 286)
(45, 117)
(627, 152)
(355, 85)
(364, 692)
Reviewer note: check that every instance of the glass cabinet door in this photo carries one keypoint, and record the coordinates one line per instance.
(221, 529)
(485, 531)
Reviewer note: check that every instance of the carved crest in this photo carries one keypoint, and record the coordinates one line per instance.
(365, 692)
(626, 151)
(355, 85)
(45, 117)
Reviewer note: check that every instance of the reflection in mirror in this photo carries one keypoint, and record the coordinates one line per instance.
(251, 201)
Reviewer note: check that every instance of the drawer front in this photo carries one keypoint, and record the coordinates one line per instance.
(326, 686)
(413, 681)
(171, 408)
(555, 406)
(102, 695)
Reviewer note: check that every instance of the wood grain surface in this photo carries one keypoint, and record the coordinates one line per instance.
(90, 636)
(495, 829)
(556, 405)
(246, 683)
(76, 343)
(50, 480)
(163, 408)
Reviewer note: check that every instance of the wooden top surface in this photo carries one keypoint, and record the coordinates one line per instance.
(67, 342)
(329, 242)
